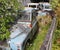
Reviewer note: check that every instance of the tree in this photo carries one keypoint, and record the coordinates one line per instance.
(8, 15)
(56, 7)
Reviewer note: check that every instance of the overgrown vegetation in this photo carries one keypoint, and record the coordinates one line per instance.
(40, 36)
(8, 14)
(56, 38)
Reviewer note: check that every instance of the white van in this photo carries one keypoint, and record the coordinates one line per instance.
(45, 6)
(33, 5)
(24, 30)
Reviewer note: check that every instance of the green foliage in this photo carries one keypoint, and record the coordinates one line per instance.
(8, 15)
(54, 3)
(56, 36)
(58, 23)
(56, 39)
(37, 41)
(56, 7)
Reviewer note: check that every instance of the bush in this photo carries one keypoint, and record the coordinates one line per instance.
(8, 15)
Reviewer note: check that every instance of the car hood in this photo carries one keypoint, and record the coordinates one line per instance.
(19, 38)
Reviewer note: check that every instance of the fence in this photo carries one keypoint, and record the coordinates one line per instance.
(47, 44)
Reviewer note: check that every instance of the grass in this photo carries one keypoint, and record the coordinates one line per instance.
(55, 47)
(38, 40)
(56, 42)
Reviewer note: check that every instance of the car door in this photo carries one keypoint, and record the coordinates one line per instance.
(34, 21)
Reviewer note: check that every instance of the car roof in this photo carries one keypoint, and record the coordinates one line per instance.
(28, 9)
(44, 3)
(15, 33)
(16, 30)
(32, 3)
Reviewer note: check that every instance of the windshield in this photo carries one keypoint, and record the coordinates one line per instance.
(25, 16)
(33, 6)
(47, 7)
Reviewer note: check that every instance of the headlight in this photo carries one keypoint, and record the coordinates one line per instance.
(8, 41)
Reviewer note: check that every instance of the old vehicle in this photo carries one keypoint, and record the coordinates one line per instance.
(24, 30)
(33, 5)
(41, 13)
(45, 6)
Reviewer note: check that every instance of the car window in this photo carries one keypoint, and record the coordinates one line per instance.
(25, 17)
(33, 17)
(41, 6)
(47, 7)
(33, 6)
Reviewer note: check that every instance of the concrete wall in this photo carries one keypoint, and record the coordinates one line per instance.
(24, 2)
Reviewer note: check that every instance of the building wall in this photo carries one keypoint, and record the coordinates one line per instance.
(24, 2)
